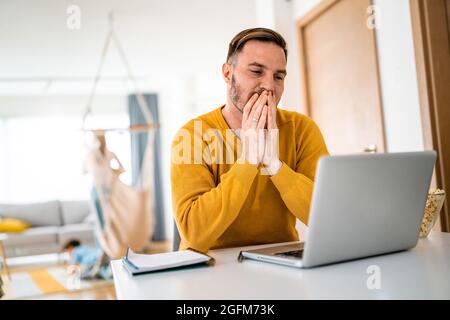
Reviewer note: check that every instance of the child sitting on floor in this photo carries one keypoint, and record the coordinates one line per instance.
(91, 261)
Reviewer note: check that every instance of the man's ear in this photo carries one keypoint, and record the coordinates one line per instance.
(227, 72)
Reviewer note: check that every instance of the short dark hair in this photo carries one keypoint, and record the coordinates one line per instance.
(261, 34)
(72, 244)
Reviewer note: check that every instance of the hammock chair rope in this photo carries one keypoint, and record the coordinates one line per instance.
(127, 210)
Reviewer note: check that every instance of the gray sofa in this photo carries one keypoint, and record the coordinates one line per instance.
(53, 224)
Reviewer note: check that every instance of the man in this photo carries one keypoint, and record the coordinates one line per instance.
(257, 198)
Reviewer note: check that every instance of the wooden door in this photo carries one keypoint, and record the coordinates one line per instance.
(340, 79)
(431, 33)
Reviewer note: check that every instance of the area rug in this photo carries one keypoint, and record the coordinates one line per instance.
(45, 281)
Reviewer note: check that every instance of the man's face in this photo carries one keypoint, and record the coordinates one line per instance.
(259, 66)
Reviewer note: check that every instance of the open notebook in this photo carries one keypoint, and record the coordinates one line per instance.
(137, 263)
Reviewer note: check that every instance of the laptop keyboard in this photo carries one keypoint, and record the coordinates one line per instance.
(293, 253)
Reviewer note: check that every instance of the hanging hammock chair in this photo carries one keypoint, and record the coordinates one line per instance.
(126, 211)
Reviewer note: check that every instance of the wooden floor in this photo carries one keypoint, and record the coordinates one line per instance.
(106, 292)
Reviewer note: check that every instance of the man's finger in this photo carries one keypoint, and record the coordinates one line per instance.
(263, 118)
(256, 115)
(248, 106)
(271, 112)
(257, 107)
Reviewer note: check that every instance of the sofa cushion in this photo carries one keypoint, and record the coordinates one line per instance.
(33, 236)
(75, 211)
(83, 232)
(37, 214)
(13, 225)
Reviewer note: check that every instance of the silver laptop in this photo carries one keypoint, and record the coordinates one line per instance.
(363, 205)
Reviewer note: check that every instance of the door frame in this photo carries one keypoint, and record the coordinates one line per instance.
(430, 22)
(302, 22)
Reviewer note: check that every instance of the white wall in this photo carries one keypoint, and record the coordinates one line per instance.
(63, 105)
(161, 38)
(301, 7)
(282, 15)
(3, 179)
(265, 13)
(399, 88)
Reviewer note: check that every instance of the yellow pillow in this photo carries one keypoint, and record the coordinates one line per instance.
(13, 225)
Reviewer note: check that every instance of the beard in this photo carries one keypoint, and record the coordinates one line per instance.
(238, 98)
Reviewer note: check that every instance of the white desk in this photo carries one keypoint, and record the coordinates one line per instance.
(420, 273)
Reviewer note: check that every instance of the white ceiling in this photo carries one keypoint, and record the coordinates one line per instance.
(163, 40)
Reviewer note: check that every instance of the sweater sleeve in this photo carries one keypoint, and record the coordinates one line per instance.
(203, 208)
(296, 185)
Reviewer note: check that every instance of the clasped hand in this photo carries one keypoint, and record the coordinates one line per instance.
(259, 132)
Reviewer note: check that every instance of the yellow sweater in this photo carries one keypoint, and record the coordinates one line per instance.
(228, 204)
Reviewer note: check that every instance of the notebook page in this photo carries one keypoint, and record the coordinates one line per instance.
(168, 259)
